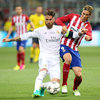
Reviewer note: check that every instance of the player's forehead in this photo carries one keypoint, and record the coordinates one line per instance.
(48, 17)
(86, 12)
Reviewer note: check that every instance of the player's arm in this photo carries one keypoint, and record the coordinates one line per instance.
(11, 28)
(32, 25)
(13, 39)
(24, 36)
(88, 36)
(9, 32)
(70, 34)
(19, 38)
(62, 20)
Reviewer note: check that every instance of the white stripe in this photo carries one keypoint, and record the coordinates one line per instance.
(62, 40)
(17, 26)
(77, 23)
(14, 19)
(21, 25)
(73, 44)
(69, 29)
(76, 27)
(79, 29)
(72, 22)
(82, 24)
(68, 41)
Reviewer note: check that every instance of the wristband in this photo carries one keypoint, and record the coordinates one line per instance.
(67, 34)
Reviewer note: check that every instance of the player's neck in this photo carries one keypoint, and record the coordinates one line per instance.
(19, 14)
(82, 19)
(38, 14)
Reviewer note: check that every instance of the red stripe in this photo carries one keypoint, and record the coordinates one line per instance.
(80, 40)
(22, 22)
(74, 46)
(79, 25)
(70, 43)
(61, 39)
(65, 41)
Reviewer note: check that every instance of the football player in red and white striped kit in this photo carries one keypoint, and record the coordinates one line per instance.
(69, 45)
(20, 22)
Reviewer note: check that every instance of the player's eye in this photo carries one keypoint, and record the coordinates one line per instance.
(48, 19)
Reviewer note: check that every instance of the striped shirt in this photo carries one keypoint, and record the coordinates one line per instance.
(21, 23)
(74, 24)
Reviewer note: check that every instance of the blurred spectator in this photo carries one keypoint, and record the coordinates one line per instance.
(7, 26)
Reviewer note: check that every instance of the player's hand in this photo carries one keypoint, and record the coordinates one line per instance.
(84, 30)
(6, 40)
(64, 29)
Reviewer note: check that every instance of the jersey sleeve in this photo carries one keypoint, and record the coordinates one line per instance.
(13, 23)
(26, 36)
(89, 32)
(61, 20)
(27, 19)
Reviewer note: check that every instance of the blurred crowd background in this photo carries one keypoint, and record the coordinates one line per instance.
(61, 7)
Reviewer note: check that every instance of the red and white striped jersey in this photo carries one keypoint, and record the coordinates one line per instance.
(21, 23)
(74, 24)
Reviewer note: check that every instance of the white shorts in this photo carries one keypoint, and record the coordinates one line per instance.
(52, 64)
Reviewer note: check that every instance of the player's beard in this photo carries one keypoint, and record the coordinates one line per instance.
(49, 25)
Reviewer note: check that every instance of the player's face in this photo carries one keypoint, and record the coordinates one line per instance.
(49, 21)
(85, 15)
(18, 10)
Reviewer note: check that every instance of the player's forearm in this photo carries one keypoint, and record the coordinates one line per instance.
(16, 39)
(9, 32)
(70, 34)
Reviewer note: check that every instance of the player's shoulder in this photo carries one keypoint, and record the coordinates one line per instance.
(57, 26)
(41, 28)
(73, 14)
(24, 15)
(42, 15)
(14, 16)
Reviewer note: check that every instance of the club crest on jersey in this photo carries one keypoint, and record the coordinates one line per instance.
(58, 32)
(62, 48)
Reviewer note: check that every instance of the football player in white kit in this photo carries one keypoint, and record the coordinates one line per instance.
(49, 58)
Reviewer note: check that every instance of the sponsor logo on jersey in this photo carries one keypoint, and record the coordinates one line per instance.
(57, 32)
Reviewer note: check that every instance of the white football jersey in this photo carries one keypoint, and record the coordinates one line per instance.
(49, 39)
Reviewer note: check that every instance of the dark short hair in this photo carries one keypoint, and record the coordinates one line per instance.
(50, 13)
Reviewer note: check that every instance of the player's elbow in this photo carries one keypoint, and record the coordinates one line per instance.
(88, 38)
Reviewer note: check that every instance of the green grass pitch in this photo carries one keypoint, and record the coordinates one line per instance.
(19, 85)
